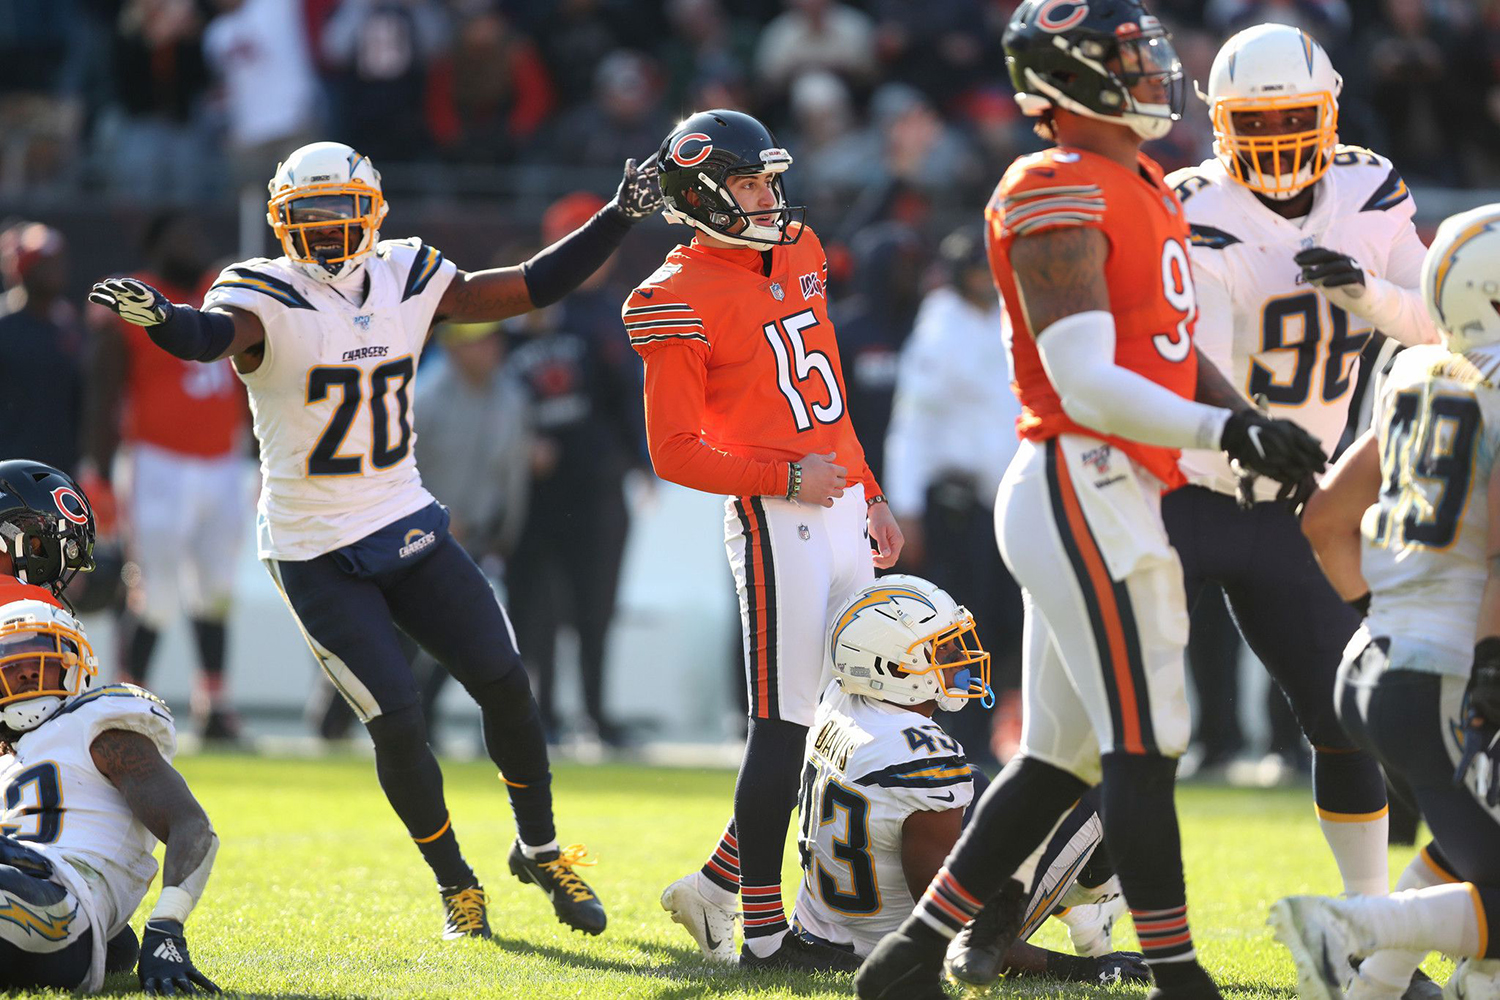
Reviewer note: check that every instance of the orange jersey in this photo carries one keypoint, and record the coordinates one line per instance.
(742, 368)
(12, 589)
(1150, 286)
(183, 406)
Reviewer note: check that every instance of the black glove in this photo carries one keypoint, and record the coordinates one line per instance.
(1481, 724)
(640, 192)
(23, 859)
(1324, 268)
(166, 969)
(133, 301)
(1276, 448)
(1123, 967)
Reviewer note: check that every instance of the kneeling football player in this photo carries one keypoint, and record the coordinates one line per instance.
(87, 790)
(885, 793)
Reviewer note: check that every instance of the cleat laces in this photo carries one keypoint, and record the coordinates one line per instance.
(466, 910)
(561, 870)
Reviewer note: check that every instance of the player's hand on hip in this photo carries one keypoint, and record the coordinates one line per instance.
(1324, 268)
(640, 192)
(133, 301)
(1270, 447)
(165, 968)
(822, 479)
(886, 534)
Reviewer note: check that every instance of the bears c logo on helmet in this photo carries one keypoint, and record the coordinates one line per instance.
(1060, 15)
(697, 158)
(70, 505)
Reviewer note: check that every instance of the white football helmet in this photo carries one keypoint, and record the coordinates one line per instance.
(1461, 279)
(885, 644)
(45, 659)
(1274, 67)
(326, 209)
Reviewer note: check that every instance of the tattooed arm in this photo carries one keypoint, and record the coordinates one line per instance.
(1060, 277)
(481, 296)
(159, 798)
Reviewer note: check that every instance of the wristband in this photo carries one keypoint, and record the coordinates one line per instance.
(877, 498)
(175, 903)
(793, 480)
(1361, 604)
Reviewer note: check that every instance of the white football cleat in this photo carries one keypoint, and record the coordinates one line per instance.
(1474, 979)
(711, 925)
(1091, 925)
(1322, 939)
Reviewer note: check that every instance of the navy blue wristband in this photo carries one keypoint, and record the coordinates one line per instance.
(566, 264)
(191, 335)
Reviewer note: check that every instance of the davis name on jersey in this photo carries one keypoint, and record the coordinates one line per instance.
(56, 801)
(1272, 335)
(869, 766)
(1426, 541)
(332, 400)
(1150, 283)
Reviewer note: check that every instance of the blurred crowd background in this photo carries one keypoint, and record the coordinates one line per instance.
(137, 136)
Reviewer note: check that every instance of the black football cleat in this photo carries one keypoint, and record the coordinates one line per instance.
(465, 913)
(552, 872)
(976, 956)
(1195, 984)
(902, 968)
(798, 955)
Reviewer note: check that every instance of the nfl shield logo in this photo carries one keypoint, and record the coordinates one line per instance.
(776, 291)
(363, 322)
(803, 533)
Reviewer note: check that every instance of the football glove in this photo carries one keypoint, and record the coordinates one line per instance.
(166, 969)
(640, 192)
(1324, 268)
(1123, 967)
(1276, 448)
(133, 301)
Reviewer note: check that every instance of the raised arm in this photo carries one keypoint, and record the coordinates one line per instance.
(160, 799)
(182, 331)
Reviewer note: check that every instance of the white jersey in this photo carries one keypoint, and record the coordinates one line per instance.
(56, 801)
(332, 398)
(1268, 332)
(1426, 541)
(869, 766)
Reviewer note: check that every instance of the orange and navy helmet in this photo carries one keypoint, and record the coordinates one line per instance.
(698, 157)
(46, 524)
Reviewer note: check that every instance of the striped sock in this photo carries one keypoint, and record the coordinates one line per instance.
(723, 866)
(1164, 934)
(763, 913)
(946, 906)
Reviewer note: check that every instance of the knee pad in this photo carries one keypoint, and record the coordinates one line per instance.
(507, 697)
(400, 737)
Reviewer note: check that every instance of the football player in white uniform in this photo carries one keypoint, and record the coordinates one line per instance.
(86, 790)
(885, 793)
(1301, 250)
(1408, 522)
(326, 337)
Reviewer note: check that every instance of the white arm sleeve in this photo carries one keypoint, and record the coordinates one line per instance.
(1393, 304)
(1078, 353)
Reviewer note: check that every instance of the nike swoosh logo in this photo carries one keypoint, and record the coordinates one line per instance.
(946, 798)
(708, 935)
(1254, 435)
(645, 294)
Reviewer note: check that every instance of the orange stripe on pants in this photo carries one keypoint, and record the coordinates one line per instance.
(1109, 611)
(755, 543)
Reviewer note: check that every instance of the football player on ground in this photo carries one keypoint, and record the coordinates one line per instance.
(88, 789)
(326, 337)
(1301, 248)
(1408, 526)
(1089, 250)
(745, 397)
(46, 532)
(885, 790)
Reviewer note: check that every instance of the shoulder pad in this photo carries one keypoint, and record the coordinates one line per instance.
(1188, 181)
(1210, 238)
(1364, 168)
(420, 263)
(261, 275)
(110, 693)
(656, 312)
(1045, 190)
(926, 772)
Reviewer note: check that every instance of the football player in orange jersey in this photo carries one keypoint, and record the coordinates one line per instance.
(1089, 251)
(745, 397)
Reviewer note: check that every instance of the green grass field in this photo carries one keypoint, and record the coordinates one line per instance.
(317, 891)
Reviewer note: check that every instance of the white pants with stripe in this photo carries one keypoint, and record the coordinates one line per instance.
(1079, 524)
(794, 566)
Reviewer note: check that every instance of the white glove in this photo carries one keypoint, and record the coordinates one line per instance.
(133, 301)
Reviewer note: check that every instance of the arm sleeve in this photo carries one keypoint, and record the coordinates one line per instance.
(1213, 331)
(1393, 302)
(676, 384)
(1078, 353)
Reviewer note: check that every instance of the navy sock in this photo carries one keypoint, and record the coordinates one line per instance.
(764, 797)
(516, 742)
(1141, 833)
(412, 781)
